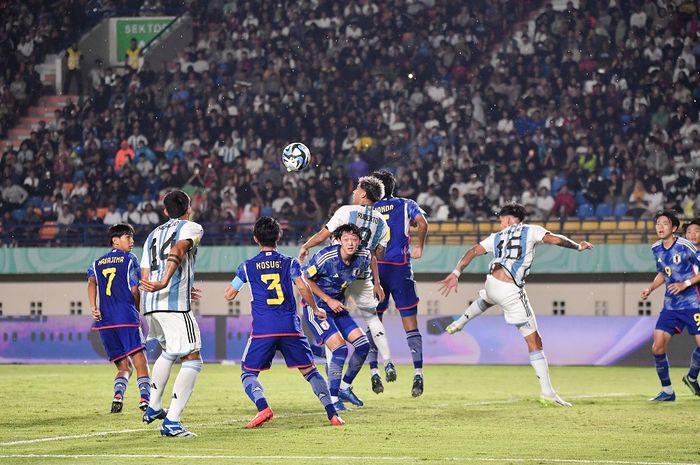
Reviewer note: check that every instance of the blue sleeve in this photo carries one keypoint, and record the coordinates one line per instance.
(659, 267)
(134, 272)
(294, 269)
(240, 272)
(237, 283)
(90, 271)
(413, 209)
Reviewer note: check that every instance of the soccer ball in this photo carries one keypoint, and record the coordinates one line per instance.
(296, 156)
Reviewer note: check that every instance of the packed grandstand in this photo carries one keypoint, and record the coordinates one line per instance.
(583, 110)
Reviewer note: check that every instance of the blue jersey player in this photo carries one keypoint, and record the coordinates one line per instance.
(276, 325)
(114, 279)
(676, 262)
(330, 271)
(396, 274)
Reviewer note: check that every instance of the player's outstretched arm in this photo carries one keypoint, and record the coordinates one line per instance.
(177, 253)
(92, 298)
(422, 223)
(450, 282)
(308, 297)
(563, 241)
(658, 281)
(320, 237)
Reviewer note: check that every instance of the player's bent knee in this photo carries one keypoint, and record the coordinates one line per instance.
(361, 345)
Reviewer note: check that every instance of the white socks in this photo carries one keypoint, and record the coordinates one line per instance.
(159, 378)
(376, 329)
(183, 387)
(539, 363)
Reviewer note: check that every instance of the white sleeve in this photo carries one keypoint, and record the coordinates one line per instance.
(145, 262)
(339, 218)
(384, 240)
(488, 243)
(537, 232)
(192, 231)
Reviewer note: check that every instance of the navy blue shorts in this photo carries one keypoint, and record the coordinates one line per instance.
(335, 322)
(260, 351)
(121, 341)
(397, 282)
(674, 321)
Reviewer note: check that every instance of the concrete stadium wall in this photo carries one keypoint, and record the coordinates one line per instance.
(559, 298)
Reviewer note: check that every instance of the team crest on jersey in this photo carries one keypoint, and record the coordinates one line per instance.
(676, 259)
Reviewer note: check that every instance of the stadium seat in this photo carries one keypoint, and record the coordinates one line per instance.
(48, 231)
(18, 214)
(620, 210)
(453, 240)
(608, 225)
(633, 238)
(590, 226)
(465, 227)
(585, 210)
(596, 238)
(626, 225)
(571, 226)
(602, 210)
(554, 226)
(435, 240)
(614, 239)
(448, 227)
(581, 198)
(433, 227)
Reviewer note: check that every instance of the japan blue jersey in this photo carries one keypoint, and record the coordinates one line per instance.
(398, 213)
(332, 274)
(116, 273)
(677, 264)
(270, 276)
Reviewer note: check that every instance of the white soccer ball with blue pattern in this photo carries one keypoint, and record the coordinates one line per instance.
(296, 156)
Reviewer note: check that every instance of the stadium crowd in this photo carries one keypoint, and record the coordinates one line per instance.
(591, 111)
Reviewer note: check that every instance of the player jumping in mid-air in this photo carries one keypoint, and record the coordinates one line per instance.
(366, 291)
(396, 274)
(513, 250)
(276, 325)
(676, 262)
(167, 274)
(114, 277)
(330, 271)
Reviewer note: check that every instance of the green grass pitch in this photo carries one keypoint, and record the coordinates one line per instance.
(468, 414)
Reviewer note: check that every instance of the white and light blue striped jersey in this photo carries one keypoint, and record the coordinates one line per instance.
(514, 249)
(175, 297)
(373, 228)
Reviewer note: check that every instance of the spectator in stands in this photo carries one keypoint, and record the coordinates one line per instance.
(73, 59)
(112, 216)
(564, 203)
(124, 155)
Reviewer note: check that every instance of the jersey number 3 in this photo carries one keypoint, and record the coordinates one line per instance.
(273, 284)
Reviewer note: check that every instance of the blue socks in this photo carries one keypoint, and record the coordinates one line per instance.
(415, 345)
(662, 367)
(144, 387)
(120, 386)
(335, 368)
(320, 388)
(358, 358)
(694, 364)
(254, 389)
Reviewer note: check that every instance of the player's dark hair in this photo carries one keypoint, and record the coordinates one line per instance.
(672, 217)
(694, 221)
(118, 230)
(267, 231)
(346, 228)
(176, 203)
(372, 186)
(388, 180)
(513, 209)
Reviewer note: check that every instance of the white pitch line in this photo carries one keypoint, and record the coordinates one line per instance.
(225, 422)
(353, 458)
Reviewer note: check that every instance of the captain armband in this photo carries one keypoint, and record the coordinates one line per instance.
(175, 259)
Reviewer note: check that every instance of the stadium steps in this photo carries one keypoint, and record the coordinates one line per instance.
(43, 110)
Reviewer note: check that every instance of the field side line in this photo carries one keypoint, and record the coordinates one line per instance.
(340, 457)
(225, 422)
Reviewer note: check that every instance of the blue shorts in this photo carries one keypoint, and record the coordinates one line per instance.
(673, 321)
(397, 282)
(260, 351)
(335, 322)
(121, 341)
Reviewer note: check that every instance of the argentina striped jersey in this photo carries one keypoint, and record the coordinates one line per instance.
(373, 228)
(175, 297)
(514, 249)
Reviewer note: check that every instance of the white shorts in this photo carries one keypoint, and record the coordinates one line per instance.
(362, 293)
(514, 303)
(177, 333)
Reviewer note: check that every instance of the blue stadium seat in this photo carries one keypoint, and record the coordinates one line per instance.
(34, 201)
(603, 210)
(620, 210)
(585, 210)
(18, 214)
(580, 198)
